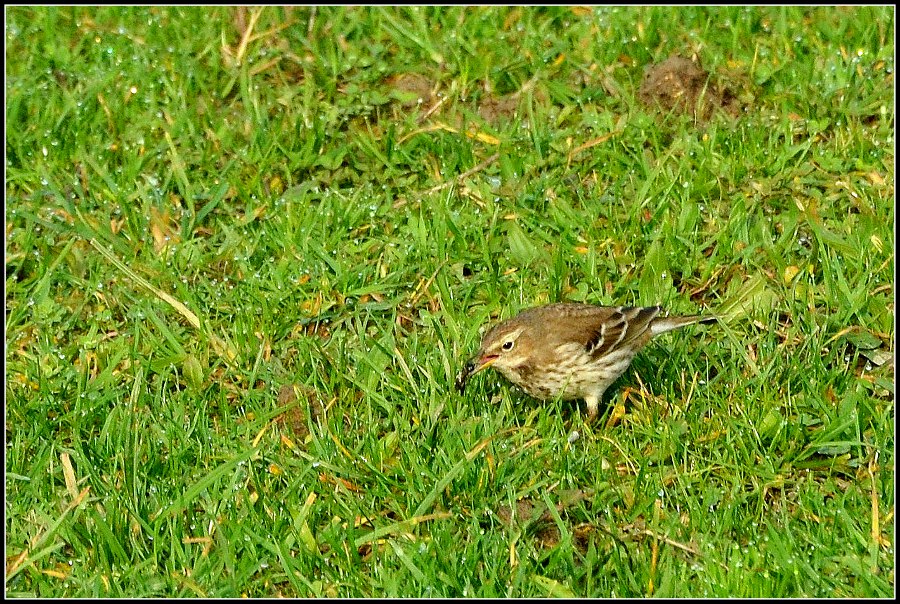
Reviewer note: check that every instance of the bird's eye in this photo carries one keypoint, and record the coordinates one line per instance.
(508, 345)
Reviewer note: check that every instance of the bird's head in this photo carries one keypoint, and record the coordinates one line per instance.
(506, 347)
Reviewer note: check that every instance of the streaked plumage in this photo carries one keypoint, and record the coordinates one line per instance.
(570, 350)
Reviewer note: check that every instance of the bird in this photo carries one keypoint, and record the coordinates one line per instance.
(570, 350)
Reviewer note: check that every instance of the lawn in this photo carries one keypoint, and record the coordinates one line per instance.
(248, 250)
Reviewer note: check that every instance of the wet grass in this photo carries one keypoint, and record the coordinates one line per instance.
(247, 251)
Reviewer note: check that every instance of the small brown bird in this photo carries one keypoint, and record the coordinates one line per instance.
(570, 350)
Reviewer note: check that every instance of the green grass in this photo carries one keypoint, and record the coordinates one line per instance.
(243, 271)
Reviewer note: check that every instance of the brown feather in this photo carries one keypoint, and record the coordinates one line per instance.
(570, 350)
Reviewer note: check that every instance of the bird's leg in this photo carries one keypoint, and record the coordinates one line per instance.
(593, 404)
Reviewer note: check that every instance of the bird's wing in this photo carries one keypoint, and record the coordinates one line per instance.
(616, 326)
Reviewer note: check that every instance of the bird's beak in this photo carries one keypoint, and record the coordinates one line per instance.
(474, 365)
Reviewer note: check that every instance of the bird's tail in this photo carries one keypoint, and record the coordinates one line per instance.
(664, 324)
